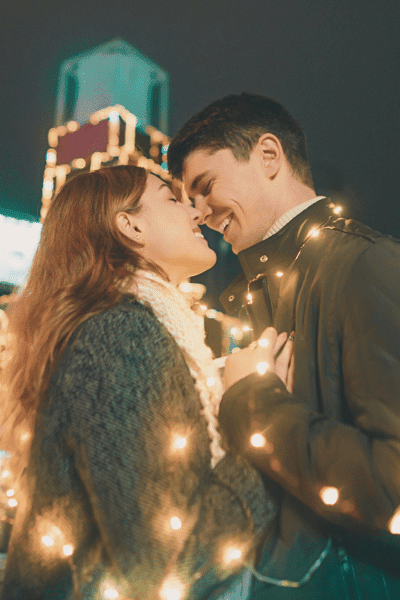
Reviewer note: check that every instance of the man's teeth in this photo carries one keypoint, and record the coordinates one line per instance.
(198, 234)
(224, 224)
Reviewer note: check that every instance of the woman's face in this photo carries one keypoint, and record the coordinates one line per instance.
(168, 233)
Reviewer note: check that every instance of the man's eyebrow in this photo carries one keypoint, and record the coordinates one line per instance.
(197, 180)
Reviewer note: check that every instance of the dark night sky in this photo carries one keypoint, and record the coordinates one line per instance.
(333, 64)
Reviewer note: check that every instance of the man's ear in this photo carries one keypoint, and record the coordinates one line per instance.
(130, 226)
(270, 152)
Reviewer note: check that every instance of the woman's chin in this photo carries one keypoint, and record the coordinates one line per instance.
(207, 264)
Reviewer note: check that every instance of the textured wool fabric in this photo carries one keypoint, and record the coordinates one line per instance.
(106, 477)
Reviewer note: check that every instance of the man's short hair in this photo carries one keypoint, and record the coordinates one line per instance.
(237, 122)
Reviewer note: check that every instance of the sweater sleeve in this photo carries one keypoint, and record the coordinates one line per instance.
(348, 473)
(166, 520)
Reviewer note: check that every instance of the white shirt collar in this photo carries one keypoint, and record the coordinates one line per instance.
(289, 215)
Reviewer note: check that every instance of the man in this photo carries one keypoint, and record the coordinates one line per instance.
(330, 451)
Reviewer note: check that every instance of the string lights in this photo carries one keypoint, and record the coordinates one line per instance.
(329, 495)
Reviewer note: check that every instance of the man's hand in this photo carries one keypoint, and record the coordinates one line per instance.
(262, 356)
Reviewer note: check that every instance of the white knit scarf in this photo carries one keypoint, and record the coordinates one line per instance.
(174, 312)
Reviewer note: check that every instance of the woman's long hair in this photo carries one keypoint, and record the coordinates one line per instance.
(81, 267)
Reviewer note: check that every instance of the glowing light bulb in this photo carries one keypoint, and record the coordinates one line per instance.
(262, 367)
(210, 381)
(279, 274)
(47, 540)
(329, 495)
(10, 493)
(314, 232)
(110, 593)
(172, 588)
(257, 440)
(68, 550)
(263, 342)
(232, 554)
(249, 297)
(180, 442)
(12, 503)
(394, 524)
(176, 523)
(337, 210)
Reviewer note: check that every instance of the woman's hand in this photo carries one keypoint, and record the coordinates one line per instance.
(261, 356)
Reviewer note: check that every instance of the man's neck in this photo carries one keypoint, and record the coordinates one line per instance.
(290, 214)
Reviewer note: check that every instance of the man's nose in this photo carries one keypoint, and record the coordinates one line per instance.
(205, 210)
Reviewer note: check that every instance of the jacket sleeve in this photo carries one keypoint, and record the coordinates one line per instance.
(349, 474)
(166, 520)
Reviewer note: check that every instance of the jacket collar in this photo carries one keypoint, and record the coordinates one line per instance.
(275, 254)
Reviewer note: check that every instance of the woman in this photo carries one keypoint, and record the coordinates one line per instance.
(123, 487)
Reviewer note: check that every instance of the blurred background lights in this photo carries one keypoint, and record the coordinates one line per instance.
(314, 232)
(51, 158)
(10, 493)
(338, 210)
(176, 523)
(12, 503)
(47, 540)
(113, 116)
(257, 440)
(246, 328)
(329, 495)
(210, 381)
(262, 367)
(279, 274)
(263, 342)
(5, 473)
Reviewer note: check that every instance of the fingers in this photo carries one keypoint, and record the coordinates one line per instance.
(280, 341)
(283, 361)
(290, 376)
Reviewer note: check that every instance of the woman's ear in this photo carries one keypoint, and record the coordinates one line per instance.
(129, 225)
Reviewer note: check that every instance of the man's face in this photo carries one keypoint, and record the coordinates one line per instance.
(232, 195)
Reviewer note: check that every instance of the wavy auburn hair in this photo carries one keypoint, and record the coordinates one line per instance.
(82, 266)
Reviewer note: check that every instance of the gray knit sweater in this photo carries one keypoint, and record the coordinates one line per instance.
(105, 477)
